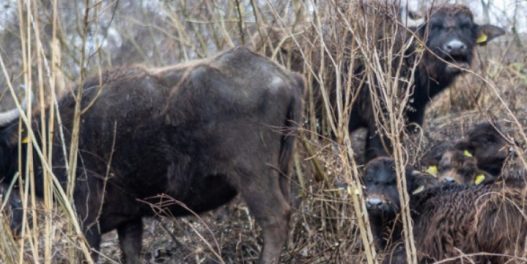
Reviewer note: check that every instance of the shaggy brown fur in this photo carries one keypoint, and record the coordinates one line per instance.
(483, 223)
(489, 219)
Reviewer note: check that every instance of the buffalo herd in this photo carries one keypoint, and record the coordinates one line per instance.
(202, 132)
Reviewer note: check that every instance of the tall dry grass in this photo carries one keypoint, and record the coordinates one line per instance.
(325, 40)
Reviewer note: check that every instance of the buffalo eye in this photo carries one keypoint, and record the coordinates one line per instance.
(465, 22)
(368, 180)
(443, 167)
(491, 139)
(465, 26)
(392, 183)
(436, 25)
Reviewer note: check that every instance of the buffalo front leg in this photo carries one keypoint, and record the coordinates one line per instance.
(271, 211)
(88, 202)
(130, 238)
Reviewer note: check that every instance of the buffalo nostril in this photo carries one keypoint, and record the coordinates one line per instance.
(372, 202)
(454, 47)
(449, 179)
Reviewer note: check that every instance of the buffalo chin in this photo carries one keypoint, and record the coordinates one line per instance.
(456, 66)
(384, 211)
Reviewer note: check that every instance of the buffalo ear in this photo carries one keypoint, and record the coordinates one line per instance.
(488, 32)
(420, 181)
(432, 170)
(479, 179)
(483, 177)
(415, 15)
(410, 18)
(465, 146)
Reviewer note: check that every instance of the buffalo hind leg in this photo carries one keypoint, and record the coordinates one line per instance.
(93, 237)
(271, 211)
(130, 239)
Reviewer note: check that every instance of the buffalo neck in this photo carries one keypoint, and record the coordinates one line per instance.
(426, 87)
(11, 149)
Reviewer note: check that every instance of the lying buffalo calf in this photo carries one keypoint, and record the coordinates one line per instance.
(476, 159)
(198, 133)
(480, 224)
(447, 163)
(461, 167)
(487, 144)
(382, 197)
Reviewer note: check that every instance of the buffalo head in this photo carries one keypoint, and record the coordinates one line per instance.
(450, 35)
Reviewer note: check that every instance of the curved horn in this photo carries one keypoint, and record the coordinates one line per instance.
(410, 18)
(10, 115)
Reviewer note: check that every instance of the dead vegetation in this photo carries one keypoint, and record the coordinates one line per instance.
(51, 45)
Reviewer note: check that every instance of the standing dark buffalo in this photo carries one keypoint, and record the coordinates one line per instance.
(448, 35)
(199, 133)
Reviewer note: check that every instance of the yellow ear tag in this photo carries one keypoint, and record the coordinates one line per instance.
(432, 170)
(418, 190)
(482, 38)
(467, 153)
(420, 46)
(355, 191)
(479, 179)
(25, 139)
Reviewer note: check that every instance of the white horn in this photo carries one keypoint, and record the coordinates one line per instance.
(411, 18)
(10, 115)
